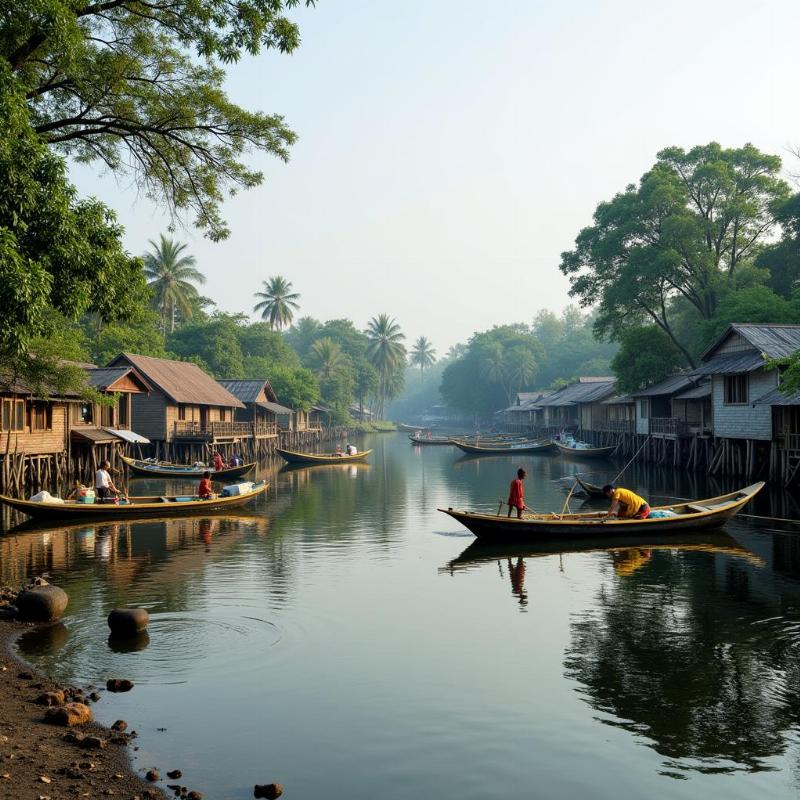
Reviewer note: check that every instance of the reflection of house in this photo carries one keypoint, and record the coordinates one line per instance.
(185, 405)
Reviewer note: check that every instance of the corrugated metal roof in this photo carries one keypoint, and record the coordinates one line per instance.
(181, 381)
(775, 397)
(587, 392)
(747, 361)
(128, 436)
(670, 385)
(248, 390)
(92, 434)
(620, 400)
(696, 392)
(275, 408)
(776, 341)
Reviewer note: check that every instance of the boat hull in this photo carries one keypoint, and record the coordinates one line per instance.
(430, 442)
(494, 450)
(717, 511)
(592, 452)
(184, 471)
(322, 458)
(151, 506)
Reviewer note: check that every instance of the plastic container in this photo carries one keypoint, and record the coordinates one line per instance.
(85, 496)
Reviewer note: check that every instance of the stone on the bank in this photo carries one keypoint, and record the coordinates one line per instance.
(127, 621)
(50, 699)
(93, 743)
(153, 775)
(119, 685)
(193, 795)
(42, 603)
(119, 725)
(174, 774)
(69, 715)
(268, 790)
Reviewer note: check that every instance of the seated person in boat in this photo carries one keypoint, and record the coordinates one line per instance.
(516, 494)
(625, 504)
(219, 464)
(338, 450)
(75, 491)
(204, 490)
(352, 450)
(104, 487)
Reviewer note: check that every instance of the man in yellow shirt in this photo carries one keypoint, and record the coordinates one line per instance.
(625, 503)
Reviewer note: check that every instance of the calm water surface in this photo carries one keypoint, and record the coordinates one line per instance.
(345, 639)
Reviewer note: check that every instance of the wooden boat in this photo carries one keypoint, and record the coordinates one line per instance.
(163, 469)
(711, 513)
(430, 439)
(514, 448)
(320, 458)
(141, 506)
(590, 490)
(584, 452)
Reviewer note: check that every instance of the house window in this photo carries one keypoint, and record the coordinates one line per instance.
(181, 413)
(41, 417)
(13, 417)
(735, 390)
(222, 415)
(644, 409)
(86, 413)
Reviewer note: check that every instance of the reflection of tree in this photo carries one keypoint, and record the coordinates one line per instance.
(672, 653)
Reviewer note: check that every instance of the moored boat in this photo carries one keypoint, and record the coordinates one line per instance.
(163, 469)
(136, 506)
(582, 450)
(713, 512)
(320, 458)
(496, 448)
(430, 439)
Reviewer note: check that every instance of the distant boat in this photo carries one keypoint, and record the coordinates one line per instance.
(163, 469)
(583, 450)
(320, 458)
(142, 506)
(402, 426)
(430, 439)
(713, 512)
(510, 448)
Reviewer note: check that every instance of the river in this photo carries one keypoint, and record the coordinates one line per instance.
(341, 637)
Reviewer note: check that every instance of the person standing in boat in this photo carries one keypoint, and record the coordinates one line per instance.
(103, 485)
(625, 504)
(516, 494)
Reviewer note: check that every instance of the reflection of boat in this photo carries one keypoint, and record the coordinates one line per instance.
(481, 551)
(163, 469)
(144, 506)
(710, 513)
(430, 439)
(320, 458)
(541, 446)
(584, 452)
(331, 465)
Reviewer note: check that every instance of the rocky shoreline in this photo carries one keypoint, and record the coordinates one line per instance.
(46, 760)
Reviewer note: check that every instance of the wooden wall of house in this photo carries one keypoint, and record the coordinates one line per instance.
(149, 413)
(30, 442)
(746, 420)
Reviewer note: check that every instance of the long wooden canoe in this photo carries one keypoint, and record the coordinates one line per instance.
(713, 512)
(320, 458)
(501, 449)
(584, 452)
(163, 469)
(430, 440)
(142, 506)
(589, 488)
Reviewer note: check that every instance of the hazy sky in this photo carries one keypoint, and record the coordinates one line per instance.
(450, 150)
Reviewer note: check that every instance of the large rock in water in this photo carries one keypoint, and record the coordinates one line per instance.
(127, 621)
(69, 715)
(42, 603)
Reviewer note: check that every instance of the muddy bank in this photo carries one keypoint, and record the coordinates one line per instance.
(42, 760)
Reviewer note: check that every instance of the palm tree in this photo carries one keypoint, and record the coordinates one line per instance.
(423, 355)
(386, 353)
(328, 357)
(276, 302)
(171, 275)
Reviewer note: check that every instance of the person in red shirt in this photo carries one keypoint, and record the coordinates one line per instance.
(204, 490)
(516, 494)
(219, 464)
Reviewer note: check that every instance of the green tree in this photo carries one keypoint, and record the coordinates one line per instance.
(296, 387)
(387, 354)
(215, 342)
(646, 355)
(754, 304)
(303, 334)
(60, 257)
(695, 219)
(139, 86)
(782, 258)
(423, 355)
(171, 274)
(365, 382)
(276, 302)
(328, 358)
